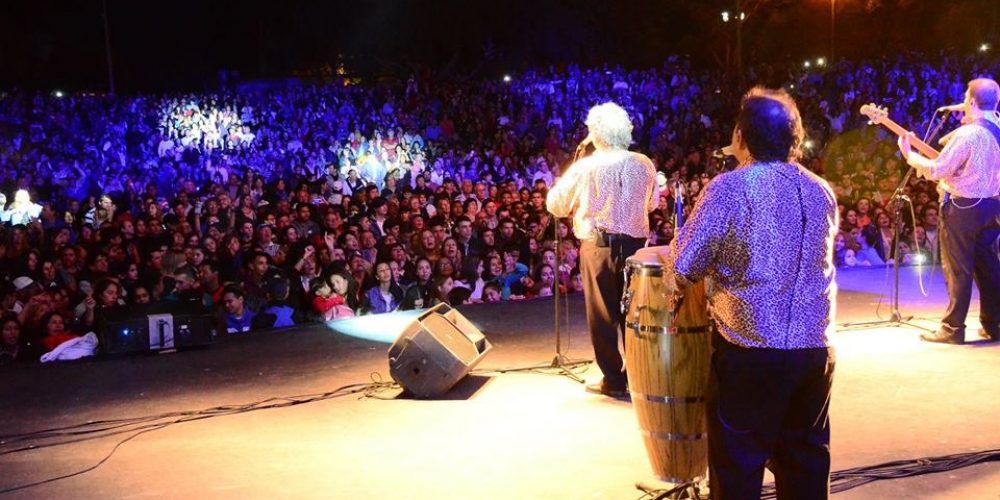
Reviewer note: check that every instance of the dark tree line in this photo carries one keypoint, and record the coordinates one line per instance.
(183, 43)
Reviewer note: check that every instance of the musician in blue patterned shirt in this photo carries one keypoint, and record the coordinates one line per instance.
(764, 234)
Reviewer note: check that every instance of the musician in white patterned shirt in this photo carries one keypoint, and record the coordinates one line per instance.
(968, 175)
(610, 195)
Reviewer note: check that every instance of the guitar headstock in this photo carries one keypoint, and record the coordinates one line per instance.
(874, 113)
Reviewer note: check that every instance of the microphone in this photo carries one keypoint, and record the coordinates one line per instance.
(581, 149)
(951, 108)
(723, 152)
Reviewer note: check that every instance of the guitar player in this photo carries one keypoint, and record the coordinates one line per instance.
(968, 174)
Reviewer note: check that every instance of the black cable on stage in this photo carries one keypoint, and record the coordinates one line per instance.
(100, 429)
(104, 428)
(77, 473)
(137, 426)
(852, 478)
(839, 480)
(847, 479)
(685, 490)
(141, 425)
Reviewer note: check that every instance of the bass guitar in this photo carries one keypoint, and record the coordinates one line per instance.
(880, 116)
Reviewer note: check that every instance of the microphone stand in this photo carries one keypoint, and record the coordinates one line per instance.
(678, 206)
(899, 200)
(560, 361)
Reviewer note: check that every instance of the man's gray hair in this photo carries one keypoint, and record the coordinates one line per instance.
(610, 124)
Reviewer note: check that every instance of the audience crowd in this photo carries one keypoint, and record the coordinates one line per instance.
(275, 206)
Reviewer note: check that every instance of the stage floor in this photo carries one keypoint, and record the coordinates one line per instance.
(497, 435)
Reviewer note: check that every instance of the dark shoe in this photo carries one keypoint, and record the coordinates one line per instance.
(610, 391)
(989, 334)
(945, 335)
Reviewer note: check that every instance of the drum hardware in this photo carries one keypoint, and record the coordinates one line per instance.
(626, 297)
(685, 489)
(638, 311)
(668, 399)
(678, 300)
(664, 330)
(671, 436)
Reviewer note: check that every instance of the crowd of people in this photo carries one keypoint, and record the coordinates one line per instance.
(281, 205)
(186, 125)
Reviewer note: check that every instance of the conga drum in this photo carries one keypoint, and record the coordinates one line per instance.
(667, 358)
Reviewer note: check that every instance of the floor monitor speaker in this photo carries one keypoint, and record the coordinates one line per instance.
(435, 351)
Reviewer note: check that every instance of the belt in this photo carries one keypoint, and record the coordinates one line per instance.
(609, 237)
(949, 196)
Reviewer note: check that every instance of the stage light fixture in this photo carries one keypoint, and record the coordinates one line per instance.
(821, 61)
(807, 64)
(58, 94)
(506, 78)
(725, 16)
(384, 328)
(984, 47)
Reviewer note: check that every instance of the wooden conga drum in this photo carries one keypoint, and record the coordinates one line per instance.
(667, 358)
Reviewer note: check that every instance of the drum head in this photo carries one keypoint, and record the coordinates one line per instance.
(648, 257)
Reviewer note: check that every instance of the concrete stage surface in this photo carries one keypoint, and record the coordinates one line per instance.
(522, 435)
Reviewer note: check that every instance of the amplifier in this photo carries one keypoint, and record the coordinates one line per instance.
(155, 328)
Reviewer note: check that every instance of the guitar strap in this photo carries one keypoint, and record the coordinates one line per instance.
(992, 127)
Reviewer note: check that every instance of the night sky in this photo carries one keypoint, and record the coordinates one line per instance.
(181, 44)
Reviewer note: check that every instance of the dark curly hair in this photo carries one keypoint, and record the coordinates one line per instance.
(770, 124)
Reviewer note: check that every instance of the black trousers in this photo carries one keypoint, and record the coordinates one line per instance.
(602, 271)
(969, 234)
(769, 407)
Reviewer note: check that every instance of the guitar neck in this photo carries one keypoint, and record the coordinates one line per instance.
(921, 146)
